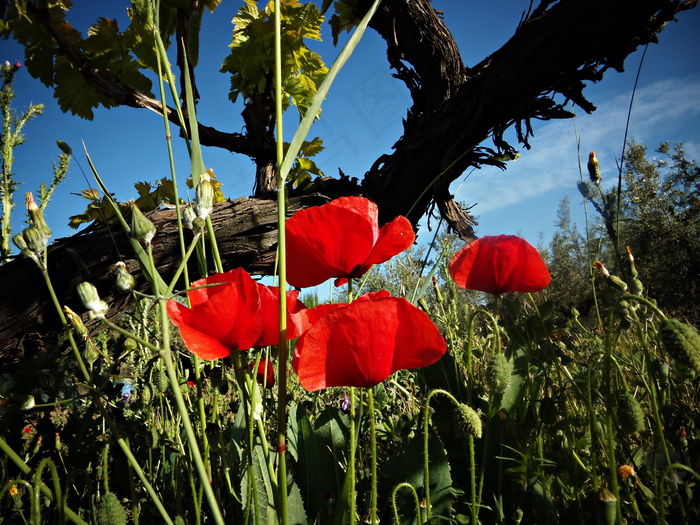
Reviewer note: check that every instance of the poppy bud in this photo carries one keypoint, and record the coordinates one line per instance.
(65, 148)
(630, 415)
(438, 294)
(162, 382)
(125, 281)
(594, 168)
(682, 342)
(205, 196)
(110, 510)
(90, 352)
(91, 300)
(468, 420)
(75, 321)
(146, 394)
(142, 229)
(498, 374)
(36, 218)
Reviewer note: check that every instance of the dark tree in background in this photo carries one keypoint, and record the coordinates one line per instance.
(661, 224)
(457, 120)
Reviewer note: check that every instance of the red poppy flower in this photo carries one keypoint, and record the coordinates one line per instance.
(265, 374)
(341, 239)
(498, 264)
(362, 343)
(230, 311)
(269, 312)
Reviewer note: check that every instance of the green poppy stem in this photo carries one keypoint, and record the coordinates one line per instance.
(166, 355)
(14, 457)
(352, 497)
(282, 272)
(373, 444)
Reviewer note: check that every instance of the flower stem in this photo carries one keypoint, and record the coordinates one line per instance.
(166, 355)
(373, 443)
(14, 457)
(352, 503)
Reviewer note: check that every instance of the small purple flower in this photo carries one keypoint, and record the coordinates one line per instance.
(18, 64)
(126, 392)
(345, 405)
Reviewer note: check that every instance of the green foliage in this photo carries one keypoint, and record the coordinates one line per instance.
(304, 169)
(345, 17)
(251, 60)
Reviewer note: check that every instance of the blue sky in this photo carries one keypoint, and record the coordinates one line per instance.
(362, 119)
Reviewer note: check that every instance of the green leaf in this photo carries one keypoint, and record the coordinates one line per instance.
(332, 430)
(305, 449)
(409, 468)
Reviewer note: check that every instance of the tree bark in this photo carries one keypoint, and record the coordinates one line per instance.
(246, 234)
(558, 47)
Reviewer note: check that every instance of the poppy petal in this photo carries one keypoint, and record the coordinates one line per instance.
(394, 237)
(363, 343)
(329, 241)
(224, 314)
(499, 264)
(202, 345)
(269, 315)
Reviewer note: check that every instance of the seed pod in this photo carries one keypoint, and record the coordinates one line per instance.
(468, 420)
(91, 299)
(630, 415)
(205, 196)
(110, 511)
(498, 374)
(142, 229)
(682, 342)
(125, 281)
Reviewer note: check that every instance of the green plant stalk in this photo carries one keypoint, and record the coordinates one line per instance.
(134, 496)
(14, 457)
(610, 437)
(105, 468)
(593, 430)
(408, 486)
(282, 271)
(166, 355)
(9, 139)
(64, 321)
(373, 445)
(183, 265)
(351, 475)
(171, 161)
(475, 503)
(651, 387)
(56, 489)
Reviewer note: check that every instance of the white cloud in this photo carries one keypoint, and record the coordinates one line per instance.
(665, 110)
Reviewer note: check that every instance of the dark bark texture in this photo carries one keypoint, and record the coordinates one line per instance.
(457, 121)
